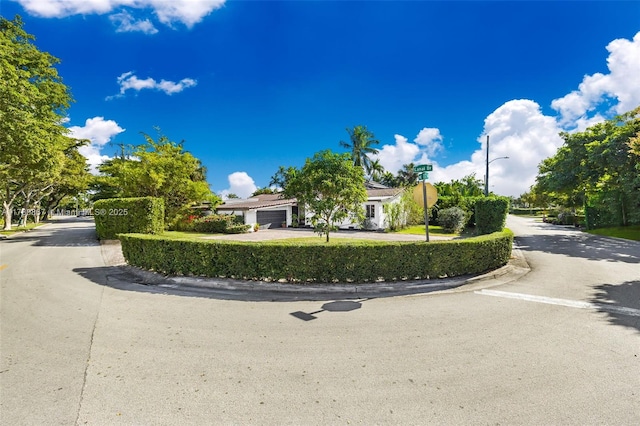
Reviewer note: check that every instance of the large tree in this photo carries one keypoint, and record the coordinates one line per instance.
(361, 142)
(331, 188)
(595, 168)
(33, 100)
(157, 168)
(74, 179)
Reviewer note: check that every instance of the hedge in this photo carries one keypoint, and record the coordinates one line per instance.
(301, 263)
(219, 224)
(122, 215)
(467, 204)
(491, 214)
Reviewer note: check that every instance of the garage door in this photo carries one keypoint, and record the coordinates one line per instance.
(274, 217)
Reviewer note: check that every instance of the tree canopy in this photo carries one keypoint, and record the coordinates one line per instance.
(361, 142)
(331, 187)
(597, 168)
(33, 101)
(157, 168)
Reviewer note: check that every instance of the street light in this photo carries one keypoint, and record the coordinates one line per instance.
(486, 176)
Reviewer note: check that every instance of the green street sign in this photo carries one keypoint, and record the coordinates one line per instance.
(423, 168)
(423, 176)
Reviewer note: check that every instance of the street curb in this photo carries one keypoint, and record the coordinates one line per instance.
(515, 269)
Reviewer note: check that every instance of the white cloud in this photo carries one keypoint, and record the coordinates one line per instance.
(517, 130)
(125, 23)
(392, 157)
(99, 132)
(129, 81)
(621, 84)
(187, 12)
(241, 184)
(430, 140)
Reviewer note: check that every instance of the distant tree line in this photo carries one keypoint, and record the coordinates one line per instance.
(596, 171)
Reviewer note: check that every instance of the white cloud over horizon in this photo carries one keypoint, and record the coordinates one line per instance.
(426, 144)
(129, 81)
(241, 184)
(99, 132)
(621, 84)
(519, 130)
(187, 12)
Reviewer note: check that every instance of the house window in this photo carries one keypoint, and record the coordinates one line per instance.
(370, 211)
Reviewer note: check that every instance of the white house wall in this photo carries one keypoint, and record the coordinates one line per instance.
(251, 217)
(379, 222)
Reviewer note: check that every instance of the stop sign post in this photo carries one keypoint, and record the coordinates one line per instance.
(423, 169)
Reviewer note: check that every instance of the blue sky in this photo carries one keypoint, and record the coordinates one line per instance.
(252, 85)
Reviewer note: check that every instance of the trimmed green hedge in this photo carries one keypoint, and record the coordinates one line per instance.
(122, 215)
(220, 224)
(301, 263)
(521, 211)
(491, 214)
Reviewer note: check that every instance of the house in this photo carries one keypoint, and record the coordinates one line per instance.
(271, 210)
(267, 210)
(378, 196)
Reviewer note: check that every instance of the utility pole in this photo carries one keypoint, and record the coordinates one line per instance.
(486, 176)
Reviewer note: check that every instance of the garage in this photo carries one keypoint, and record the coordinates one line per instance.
(274, 217)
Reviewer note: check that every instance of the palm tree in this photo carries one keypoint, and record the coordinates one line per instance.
(407, 175)
(389, 180)
(376, 170)
(361, 146)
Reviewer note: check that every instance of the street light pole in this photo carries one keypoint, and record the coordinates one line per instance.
(486, 175)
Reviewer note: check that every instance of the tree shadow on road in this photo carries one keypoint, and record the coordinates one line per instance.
(624, 299)
(79, 235)
(587, 246)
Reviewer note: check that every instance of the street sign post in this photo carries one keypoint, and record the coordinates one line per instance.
(422, 170)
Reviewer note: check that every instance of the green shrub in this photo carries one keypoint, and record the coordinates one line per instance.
(521, 211)
(237, 229)
(364, 262)
(452, 219)
(124, 215)
(467, 204)
(219, 224)
(491, 214)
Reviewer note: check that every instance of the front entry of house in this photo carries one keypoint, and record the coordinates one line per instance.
(274, 217)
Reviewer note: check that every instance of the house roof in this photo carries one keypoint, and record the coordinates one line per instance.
(372, 184)
(383, 192)
(257, 202)
(274, 200)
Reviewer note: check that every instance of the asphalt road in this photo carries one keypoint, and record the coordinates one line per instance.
(560, 345)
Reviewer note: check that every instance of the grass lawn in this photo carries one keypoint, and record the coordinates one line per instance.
(626, 232)
(311, 240)
(435, 230)
(16, 229)
(333, 241)
(186, 235)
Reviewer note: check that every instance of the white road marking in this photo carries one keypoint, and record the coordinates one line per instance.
(562, 302)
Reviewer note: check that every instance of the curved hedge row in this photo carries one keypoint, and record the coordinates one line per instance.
(295, 262)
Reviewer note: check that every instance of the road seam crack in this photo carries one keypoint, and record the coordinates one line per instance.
(86, 368)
